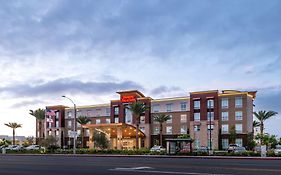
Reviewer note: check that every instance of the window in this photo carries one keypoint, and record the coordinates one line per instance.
(156, 130)
(224, 129)
(224, 143)
(128, 116)
(183, 106)
(155, 108)
(78, 132)
(197, 128)
(97, 121)
(209, 143)
(170, 120)
(169, 107)
(212, 127)
(116, 120)
(98, 111)
(50, 133)
(238, 102)
(78, 124)
(239, 142)
(183, 118)
(210, 103)
(142, 129)
(69, 123)
(88, 113)
(107, 120)
(196, 104)
(210, 116)
(87, 132)
(224, 116)
(183, 129)
(107, 111)
(50, 124)
(69, 114)
(142, 119)
(238, 115)
(224, 103)
(116, 110)
(197, 116)
(169, 129)
(238, 128)
(78, 113)
(57, 115)
(57, 133)
(197, 143)
(57, 124)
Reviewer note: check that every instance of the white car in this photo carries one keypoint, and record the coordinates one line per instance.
(157, 148)
(33, 147)
(14, 147)
(277, 150)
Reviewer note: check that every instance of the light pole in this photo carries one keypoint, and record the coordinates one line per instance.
(75, 128)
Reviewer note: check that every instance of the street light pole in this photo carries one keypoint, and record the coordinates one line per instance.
(74, 126)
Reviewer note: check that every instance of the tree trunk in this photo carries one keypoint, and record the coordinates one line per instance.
(14, 140)
(160, 134)
(82, 137)
(261, 128)
(137, 134)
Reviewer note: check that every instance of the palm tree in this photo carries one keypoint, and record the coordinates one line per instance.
(161, 118)
(256, 124)
(39, 114)
(262, 116)
(138, 108)
(83, 120)
(14, 126)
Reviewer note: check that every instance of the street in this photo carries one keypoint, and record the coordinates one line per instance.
(66, 165)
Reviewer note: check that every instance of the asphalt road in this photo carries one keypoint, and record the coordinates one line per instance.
(69, 165)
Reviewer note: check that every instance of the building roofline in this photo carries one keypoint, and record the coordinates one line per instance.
(170, 99)
(130, 91)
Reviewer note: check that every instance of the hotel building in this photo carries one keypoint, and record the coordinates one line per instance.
(211, 118)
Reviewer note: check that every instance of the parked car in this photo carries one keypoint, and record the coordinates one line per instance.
(3, 146)
(231, 147)
(15, 147)
(239, 149)
(157, 148)
(277, 150)
(33, 147)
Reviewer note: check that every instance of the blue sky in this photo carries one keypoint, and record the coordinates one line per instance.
(90, 49)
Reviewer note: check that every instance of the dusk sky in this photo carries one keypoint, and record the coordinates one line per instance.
(90, 49)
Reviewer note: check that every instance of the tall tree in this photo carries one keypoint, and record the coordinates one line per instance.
(138, 109)
(262, 116)
(39, 114)
(161, 118)
(232, 135)
(83, 120)
(14, 126)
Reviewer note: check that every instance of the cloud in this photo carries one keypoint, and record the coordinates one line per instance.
(27, 103)
(62, 86)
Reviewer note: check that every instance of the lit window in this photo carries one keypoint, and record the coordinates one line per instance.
(210, 116)
(116, 120)
(170, 120)
(183, 129)
(224, 129)
(87, 132)
(197, 116)
(224, 116)
(224, 143)
(50, 133)
(107, 120)
(212, 127)
(116, 110)
(169, 107)
(238, 115)
(128, 116)
(57, 115)
(238, 128)
(238, 102)
(97, 121)
(210, 103)
(69, 123)
(224, 103)
(57, 133)
(183, 106)
(183, 118)
(196, 104)
(169, 129)
(155, 108)
(239, 142)
(57, 124)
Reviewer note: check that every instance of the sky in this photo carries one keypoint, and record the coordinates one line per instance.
(89, 49)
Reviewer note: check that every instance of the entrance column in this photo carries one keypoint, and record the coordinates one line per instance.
(91, 141)
(119, 138)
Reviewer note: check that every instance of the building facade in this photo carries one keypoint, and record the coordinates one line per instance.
(213, 119)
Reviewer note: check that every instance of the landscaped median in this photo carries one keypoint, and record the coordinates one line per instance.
(138, 152)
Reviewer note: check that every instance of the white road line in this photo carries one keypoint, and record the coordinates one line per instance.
(160, 172)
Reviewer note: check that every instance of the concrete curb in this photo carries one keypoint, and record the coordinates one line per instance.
(149, 156)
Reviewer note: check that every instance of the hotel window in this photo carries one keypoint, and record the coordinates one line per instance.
(142, 129)
(197, 143)
(87, 133)
(155, 108)
(50, 133)
(107, 120)
(209, 143)
(238, 115)
(224, 103)
(107, 111)
(238, 128)
(116, 110)
(224, 129)
(57, 115)
(142, 119)
(183, 129)
(156, 130)
(69, 114)
(212, 127)
(197, 128)
(57, 133)
(97, 121)
(50, 124)
(197, 116)
(128, 116)
(238, 102)
(78, 132)
(239, 142)
(210, 103)
(224, 116)
(183, 118)
(116, 120)
(210, 116)
(78, 124)
(69, 123)
(98, 111)
(88, 113)
(169, 129)
(170, 120)
(169, 107)
(183, 106)
(57, 124)
(196, 104)
(224, 143)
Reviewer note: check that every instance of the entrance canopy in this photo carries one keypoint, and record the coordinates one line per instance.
(127, 130)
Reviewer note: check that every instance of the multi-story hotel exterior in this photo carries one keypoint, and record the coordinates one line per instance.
(209, 117)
